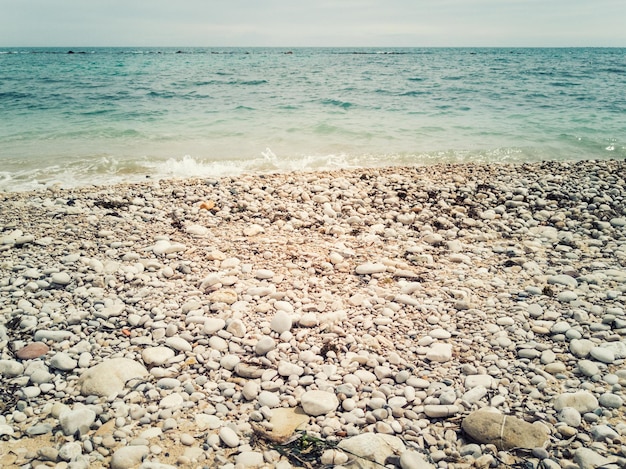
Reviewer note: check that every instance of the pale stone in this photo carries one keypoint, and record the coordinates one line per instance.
(370, 268)
(504, 431)
(281, 322)
(582, 401)
(110, 376)
(77, 420)
(178, 343)
(318, 402)
(157, 355)
(439, 352)
(370, 450)
(128, 457)
(229, 437)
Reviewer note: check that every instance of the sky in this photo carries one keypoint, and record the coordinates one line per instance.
(294, 23)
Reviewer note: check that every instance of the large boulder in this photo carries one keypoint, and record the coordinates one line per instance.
(110, 376)
(505, 432)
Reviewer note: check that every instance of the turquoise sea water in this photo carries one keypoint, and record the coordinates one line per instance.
(106, 115)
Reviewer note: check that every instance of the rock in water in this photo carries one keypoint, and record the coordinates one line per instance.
(504, 431)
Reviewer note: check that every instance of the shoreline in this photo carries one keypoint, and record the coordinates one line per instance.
(393, 302)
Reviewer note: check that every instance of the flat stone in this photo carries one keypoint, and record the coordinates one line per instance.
(503, 431)
(589, 459)
(602, 354)
(440, 410)
(610, 400)
(475, 394)
(289, 369)
(264, 274)
(178, 343)
(582, 401)
(318, 402)
(411, 459)
(70, 451)
(269, 399)
(110, 376)
(250, 390)
(439, 352)
(472, 381)
(172, 401)
(237, 328)
(369, 268)
(32, 350)
(157, 355)
(55, 336)
(129, 456)
(249, 459)
(565, 280)
(603, 432)
(248, 371)
(39, 429)
(588, 368)
(212, 325)
(285, 421)
(61, 278)
(371, 450)
(225, 295)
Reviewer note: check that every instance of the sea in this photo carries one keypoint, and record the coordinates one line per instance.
(93, 116)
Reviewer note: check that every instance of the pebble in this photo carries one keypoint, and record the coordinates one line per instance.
(503, 431)
(582, 401)
(32, 350)
(602, 354)
(229, 437)
(264, 345)
(63, 362)
(439, 352)
(318, 402)
(76, 420)
(129, 456)
(361, 326)
(281, 322)
(157, 355)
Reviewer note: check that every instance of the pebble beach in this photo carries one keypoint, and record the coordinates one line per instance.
(446, 316)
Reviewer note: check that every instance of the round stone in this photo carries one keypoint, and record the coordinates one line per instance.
(229, 437)
(602, 354)
(269, 399)
(264, 345)
(61, 278)
(63, 362)
(588, 368)
(318, 402)
(610, 400)
(570, 416)
(281, 322)
(157, 355)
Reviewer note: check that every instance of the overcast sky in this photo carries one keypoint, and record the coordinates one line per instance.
(292, 23)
